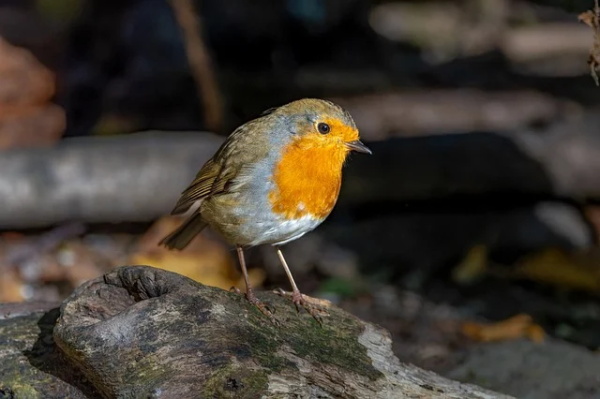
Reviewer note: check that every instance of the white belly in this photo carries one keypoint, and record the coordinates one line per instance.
(279, 232)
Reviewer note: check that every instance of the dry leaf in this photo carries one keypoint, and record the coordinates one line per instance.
(27, 118)
(587, 18)
(206, 260)
(11, 286)
(579, 271)
(519, 326)
(209, 268)
(472, 267)
(592, 214)
(148, 243)
(31, 126)
(592, 19)
(24, 81)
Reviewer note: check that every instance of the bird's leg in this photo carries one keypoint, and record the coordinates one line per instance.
(250, 296)
(297, 297)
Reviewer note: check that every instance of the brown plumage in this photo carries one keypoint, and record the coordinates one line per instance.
(274, 179)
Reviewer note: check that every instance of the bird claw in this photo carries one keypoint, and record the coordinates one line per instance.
(264, 309)
(312, 306)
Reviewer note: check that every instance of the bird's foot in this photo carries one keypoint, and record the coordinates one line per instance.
(313, 306)
(251, 297)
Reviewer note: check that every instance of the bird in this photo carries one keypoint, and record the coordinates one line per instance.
(274, 179)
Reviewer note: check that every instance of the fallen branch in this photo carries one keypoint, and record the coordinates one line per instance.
(140, 331)
(129, 178)
(439, 111)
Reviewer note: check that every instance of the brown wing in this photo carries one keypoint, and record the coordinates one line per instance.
(240, 149)
(199, 188)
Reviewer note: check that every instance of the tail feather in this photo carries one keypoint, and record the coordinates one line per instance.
(184, 234)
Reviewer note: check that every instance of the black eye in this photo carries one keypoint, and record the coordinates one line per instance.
(323, 128)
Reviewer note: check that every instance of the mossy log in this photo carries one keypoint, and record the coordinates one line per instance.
(31, 366)
(140, 332)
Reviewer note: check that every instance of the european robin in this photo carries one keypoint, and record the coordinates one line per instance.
(274, 179)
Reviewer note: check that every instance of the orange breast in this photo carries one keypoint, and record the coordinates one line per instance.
(307, 179)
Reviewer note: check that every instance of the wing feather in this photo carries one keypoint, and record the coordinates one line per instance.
(217, 174)
(201, 187)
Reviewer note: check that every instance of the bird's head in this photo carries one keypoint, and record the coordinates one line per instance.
(319, 124)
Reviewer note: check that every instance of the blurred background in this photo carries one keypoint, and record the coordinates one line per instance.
(471, 233)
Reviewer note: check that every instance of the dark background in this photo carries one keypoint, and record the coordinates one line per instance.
(480, 201)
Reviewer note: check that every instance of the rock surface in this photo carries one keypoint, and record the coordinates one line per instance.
(553, 370)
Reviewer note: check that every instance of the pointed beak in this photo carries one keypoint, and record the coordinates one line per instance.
(358, 146)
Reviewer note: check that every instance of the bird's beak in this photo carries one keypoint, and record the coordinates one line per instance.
(358, 146)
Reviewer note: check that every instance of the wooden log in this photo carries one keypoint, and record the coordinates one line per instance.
(128, 178)
(31, 366)
(419, 112)
(145, 332)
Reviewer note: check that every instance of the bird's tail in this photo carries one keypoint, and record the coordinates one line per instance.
(181, 237)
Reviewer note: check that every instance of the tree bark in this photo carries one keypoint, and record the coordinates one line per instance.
(31, 366)
(144, 332)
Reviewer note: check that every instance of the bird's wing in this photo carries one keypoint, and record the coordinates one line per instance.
(239, 150)
(199, 188)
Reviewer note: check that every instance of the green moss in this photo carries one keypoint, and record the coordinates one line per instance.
(30, 366)
(235, 381)
(263, 345)
(333, 343)
(25, 391)
(28, 384)
(146, 371)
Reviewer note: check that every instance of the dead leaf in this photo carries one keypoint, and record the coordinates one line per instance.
(11, 286)
(31, 126)
(592, 19)
(472, 267)
(206, 260)
(27, 118)
(24, 81)
(592, 214)
(519, 326)
(209, 268)
(580, 271)
(148, 243)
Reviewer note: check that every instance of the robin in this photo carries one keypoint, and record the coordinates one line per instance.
(274, 179)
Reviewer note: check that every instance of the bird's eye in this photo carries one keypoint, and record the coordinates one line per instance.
(324, 128)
